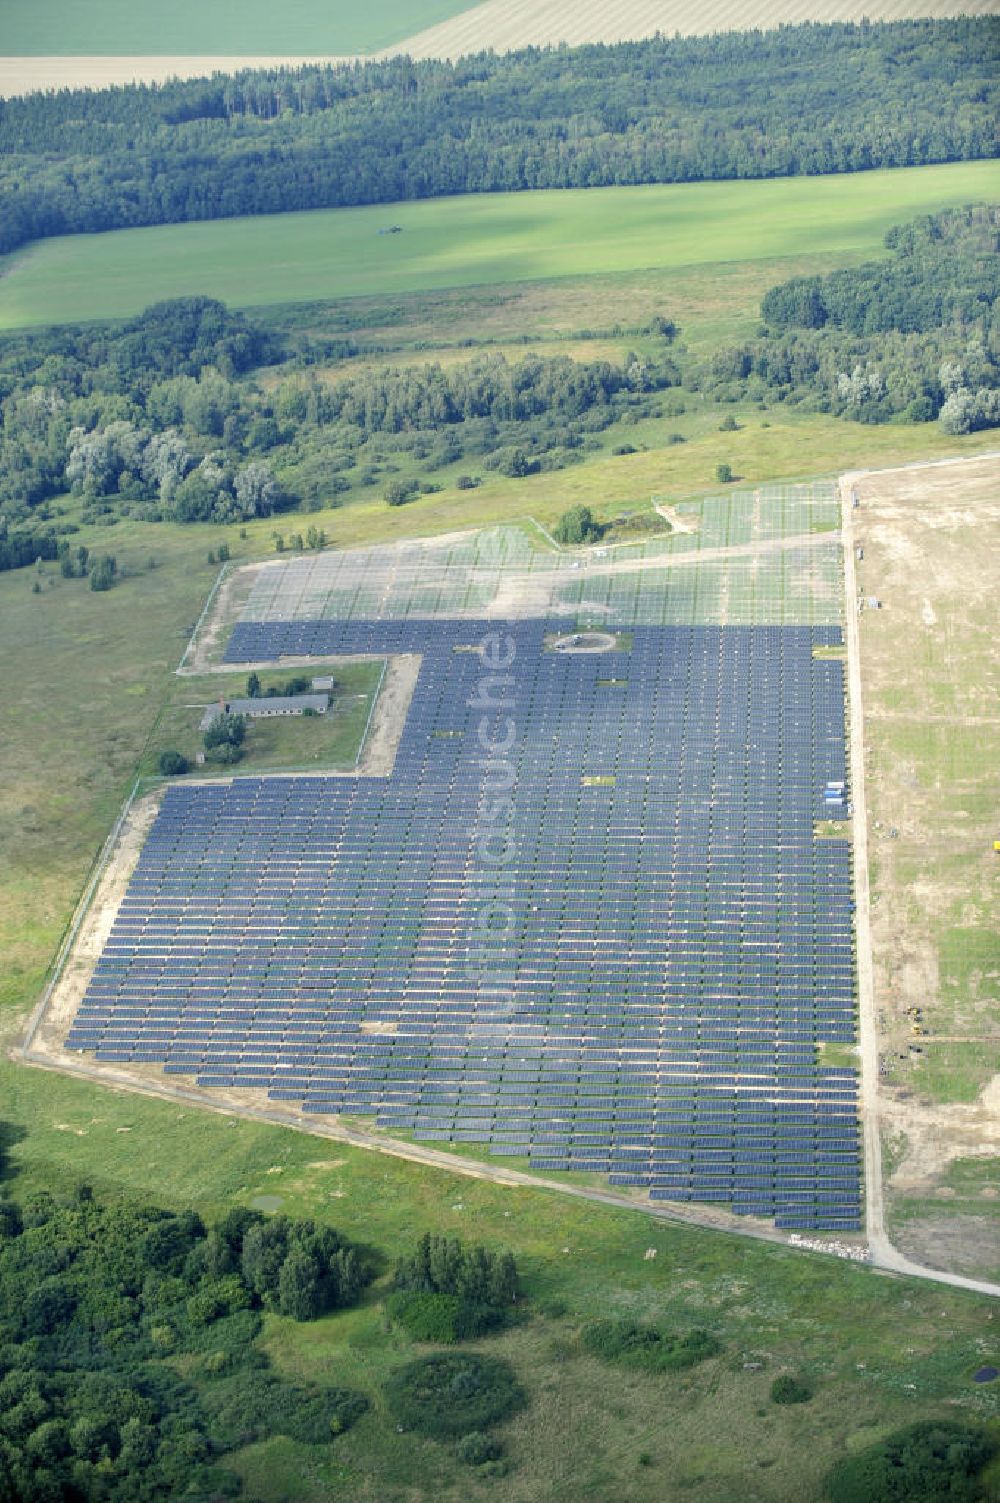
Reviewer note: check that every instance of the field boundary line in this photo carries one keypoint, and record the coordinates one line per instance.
(193, 638)
(371, 712)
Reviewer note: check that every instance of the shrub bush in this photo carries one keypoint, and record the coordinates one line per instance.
(445, 1318)
(173, 764)
(647, 1346)
(398, 492)
(789, 1390)
(512, 461)
(936, 1461)
(453, 1393)
(443, 1265)
(233, 1335)
(225, 730)
(254, 1405)
(225, 755)
(426, 1317)
(475, 1449)
(578, 526)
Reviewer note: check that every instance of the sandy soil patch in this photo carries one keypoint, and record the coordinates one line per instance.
(679, 521)
(936, 1136)
(378, 755)
(97, 923)
(964, 1242)
(224, 606)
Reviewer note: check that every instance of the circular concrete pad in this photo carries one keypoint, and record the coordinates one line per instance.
(585, 641)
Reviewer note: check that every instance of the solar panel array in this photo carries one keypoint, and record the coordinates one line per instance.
(497, 572)
(586, 921)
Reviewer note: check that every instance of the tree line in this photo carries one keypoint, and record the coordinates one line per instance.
(191, 412)
(800, 100)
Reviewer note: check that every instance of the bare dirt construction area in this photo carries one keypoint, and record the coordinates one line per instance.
(926, 540)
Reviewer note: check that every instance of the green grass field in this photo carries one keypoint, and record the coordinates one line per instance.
(474, 240)
(69, 28)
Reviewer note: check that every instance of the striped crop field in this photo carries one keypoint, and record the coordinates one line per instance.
(505, 25)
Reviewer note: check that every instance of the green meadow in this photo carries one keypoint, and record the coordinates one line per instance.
(116, 28)
(475, 240)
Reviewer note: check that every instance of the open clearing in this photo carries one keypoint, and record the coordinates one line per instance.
(474, 240)
(52, 45)
(931, 675)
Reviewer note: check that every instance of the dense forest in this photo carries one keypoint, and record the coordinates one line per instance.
(805, 99)
(913, 337)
